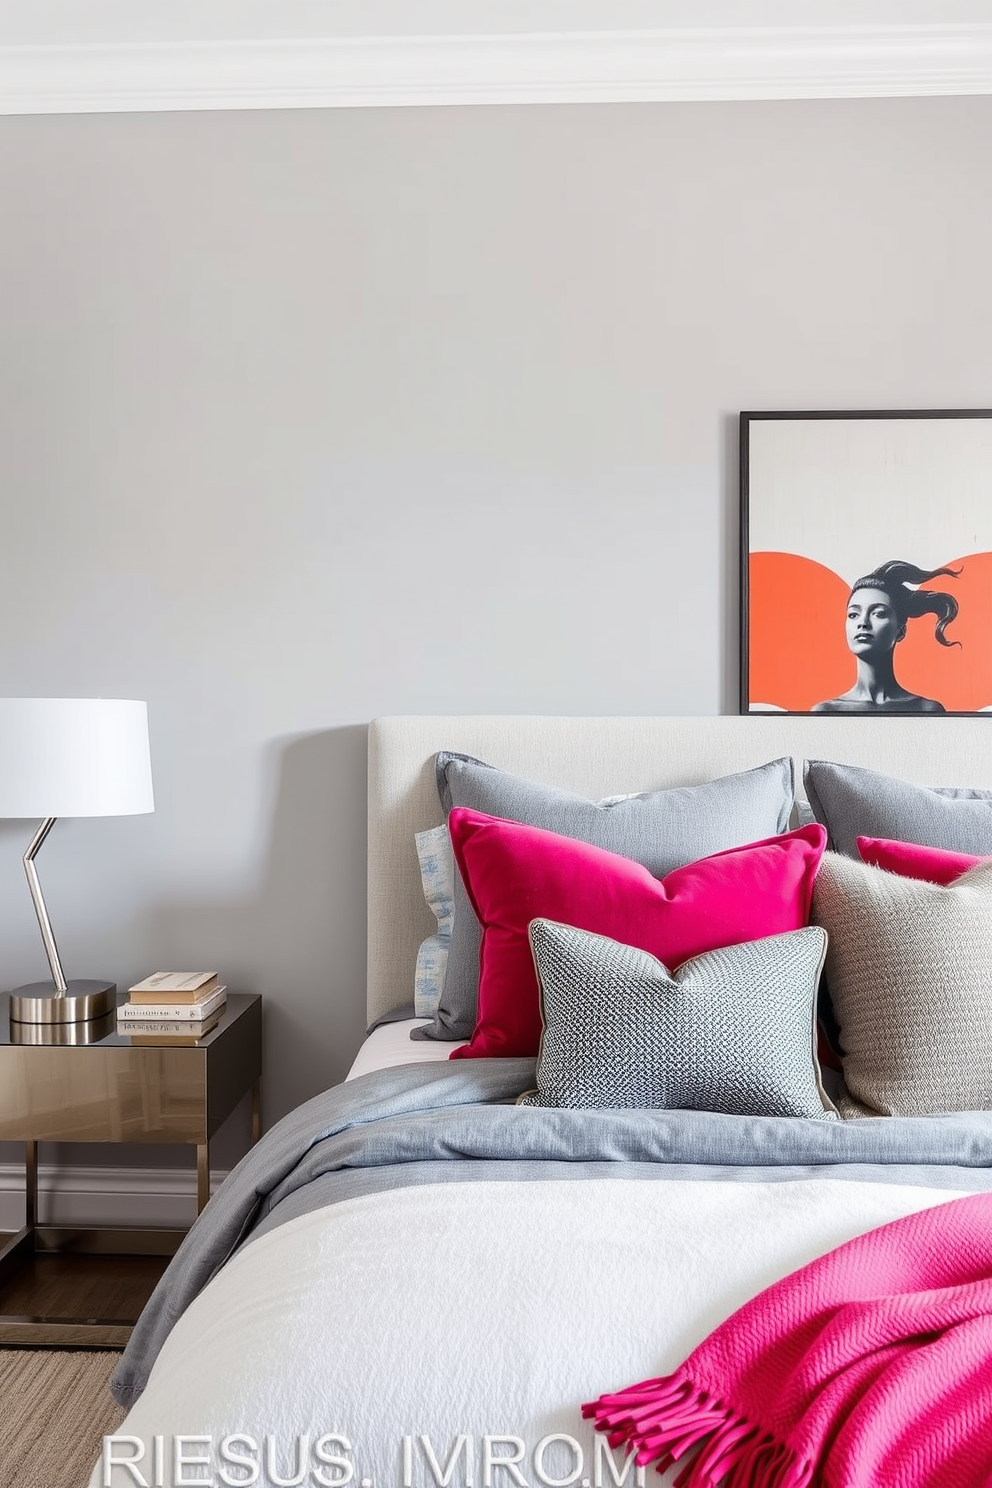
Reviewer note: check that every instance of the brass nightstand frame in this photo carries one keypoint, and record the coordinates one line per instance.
(116, 1090)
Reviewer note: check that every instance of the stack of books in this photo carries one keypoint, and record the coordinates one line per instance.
(174, 1006)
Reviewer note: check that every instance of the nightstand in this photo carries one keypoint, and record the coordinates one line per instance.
(86, 1286)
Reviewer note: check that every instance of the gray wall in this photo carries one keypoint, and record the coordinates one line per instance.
(306, 417)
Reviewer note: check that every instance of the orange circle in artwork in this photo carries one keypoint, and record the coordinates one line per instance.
(959, 676)
(797, 649)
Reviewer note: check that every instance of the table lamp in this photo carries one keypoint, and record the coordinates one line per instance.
(69, 757)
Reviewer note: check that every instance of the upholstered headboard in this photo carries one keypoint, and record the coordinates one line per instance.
(605, 756)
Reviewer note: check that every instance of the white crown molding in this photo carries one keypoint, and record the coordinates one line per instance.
(157, 1198)
(715, 63)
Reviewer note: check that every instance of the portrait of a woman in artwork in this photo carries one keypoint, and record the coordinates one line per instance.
(880, 607)
(839, 514)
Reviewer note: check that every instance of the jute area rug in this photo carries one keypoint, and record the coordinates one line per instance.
(54, 1410)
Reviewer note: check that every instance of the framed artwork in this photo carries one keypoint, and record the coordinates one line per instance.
(866, 562)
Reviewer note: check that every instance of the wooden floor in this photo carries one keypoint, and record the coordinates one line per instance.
(106, 1291)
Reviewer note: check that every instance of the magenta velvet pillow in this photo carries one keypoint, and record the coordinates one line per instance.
(514, 874)
(911, 860)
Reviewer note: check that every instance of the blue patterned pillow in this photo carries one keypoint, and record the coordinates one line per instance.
(437, 873)
(732, 1030)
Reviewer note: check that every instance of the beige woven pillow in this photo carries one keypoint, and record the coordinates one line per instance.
(909, 965)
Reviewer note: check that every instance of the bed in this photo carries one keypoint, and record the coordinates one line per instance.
(414, 1280)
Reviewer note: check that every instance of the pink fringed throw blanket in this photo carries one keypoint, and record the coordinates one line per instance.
(869, 1368)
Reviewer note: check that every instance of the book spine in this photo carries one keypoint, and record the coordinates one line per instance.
(186, 1012)
(185, 1030)
(151, 998)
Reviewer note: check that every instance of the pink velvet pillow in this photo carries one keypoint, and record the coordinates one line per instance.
(514, 874)
(911, 860)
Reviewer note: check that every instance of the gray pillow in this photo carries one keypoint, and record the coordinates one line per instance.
(732, 1030)
(662, 830)
(910, 968)
(851, 802)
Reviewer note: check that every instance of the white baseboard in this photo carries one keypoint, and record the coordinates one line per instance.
(161, 1198)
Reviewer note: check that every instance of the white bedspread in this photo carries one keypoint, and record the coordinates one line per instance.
(340, 1322)
(390, 1044)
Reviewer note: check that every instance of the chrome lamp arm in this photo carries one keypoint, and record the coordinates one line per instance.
(57, 1002)
(44, 923)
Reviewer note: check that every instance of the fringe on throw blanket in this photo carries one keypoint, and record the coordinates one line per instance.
(660, 1420)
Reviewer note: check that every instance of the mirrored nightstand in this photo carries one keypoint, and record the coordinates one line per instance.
(82, 1285)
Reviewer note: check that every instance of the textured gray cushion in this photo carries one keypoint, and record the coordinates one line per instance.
(851, 802)
(731, 1030)
(660, 829)
(910, 971)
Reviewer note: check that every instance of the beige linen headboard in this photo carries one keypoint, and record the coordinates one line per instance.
(606, 756)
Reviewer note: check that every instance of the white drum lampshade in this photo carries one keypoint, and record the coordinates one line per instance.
(69, 757)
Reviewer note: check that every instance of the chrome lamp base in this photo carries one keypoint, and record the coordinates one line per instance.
(57, 1001)
(40, 1002)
